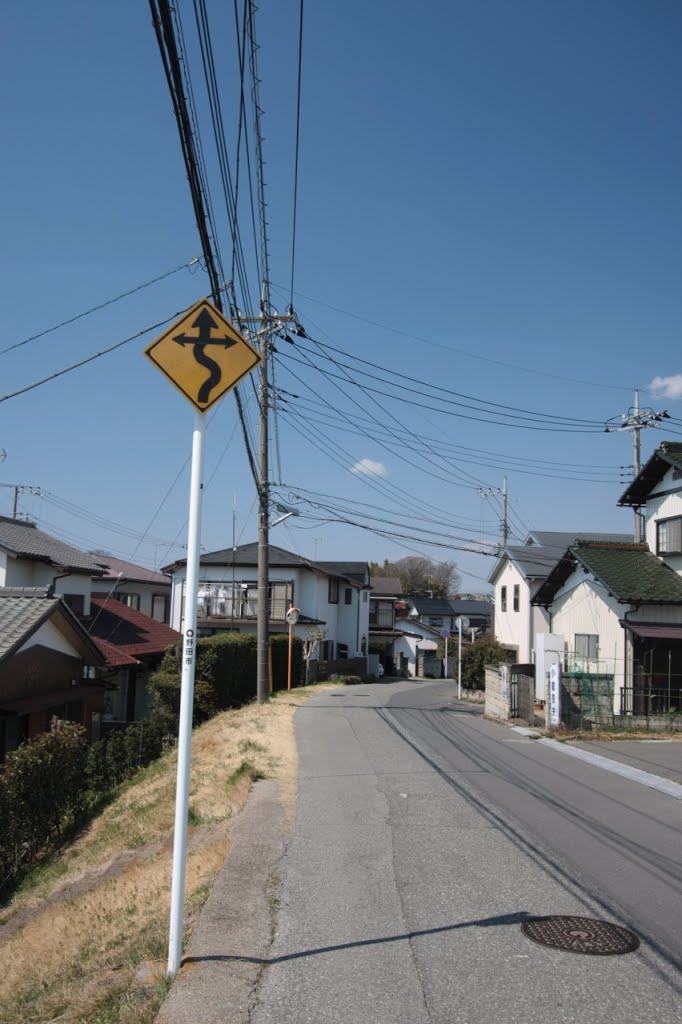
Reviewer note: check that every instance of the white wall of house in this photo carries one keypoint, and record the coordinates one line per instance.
(20, 572)
(664, 503)
(583, 607)
(141, 595)
(48, 635)
(344, 623)
(517, 629)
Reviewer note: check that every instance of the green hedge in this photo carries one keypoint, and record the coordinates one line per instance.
(52, 783)
(225, 675)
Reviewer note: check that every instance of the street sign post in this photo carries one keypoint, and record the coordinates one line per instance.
(445, 633)
(201, 342)
(292, 617)
(203, 355)
(462, 623)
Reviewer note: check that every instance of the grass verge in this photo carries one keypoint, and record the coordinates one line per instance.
(83, 941)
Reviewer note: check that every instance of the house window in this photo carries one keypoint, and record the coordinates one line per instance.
(76, 603)
(503, 599)
(333, 592)
(132, 600)
(435, 620)
(586, 646)
(516, 597)
(669, 536)
(364, 597)
(348, 595)
(160, 607)
(341, 651)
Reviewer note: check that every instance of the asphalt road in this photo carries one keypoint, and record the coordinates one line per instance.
(425, 836)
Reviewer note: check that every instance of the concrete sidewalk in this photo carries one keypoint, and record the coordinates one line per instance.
(395, 901)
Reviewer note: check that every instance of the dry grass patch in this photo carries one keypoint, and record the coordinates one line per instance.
(72, 942)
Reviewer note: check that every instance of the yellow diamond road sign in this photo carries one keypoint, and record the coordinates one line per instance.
(203, 355)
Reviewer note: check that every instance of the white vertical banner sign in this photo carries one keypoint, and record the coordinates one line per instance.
(555, 695)
(189, 636)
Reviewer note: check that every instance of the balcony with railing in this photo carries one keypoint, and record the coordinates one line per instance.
(381, 614)
(235, 602)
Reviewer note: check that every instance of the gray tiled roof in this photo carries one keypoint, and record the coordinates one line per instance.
(357, 571)
(537, 560)
(390, 586)
(432, 606)
(668, 455)
(247, 555)
(20, 616)
(25, 540)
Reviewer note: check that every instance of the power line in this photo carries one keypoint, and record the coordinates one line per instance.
(508, 410)
(459, 351)
(90, 359)
(296, 149)
(102, 305)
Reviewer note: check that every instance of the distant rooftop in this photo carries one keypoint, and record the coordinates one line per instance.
(25, 540)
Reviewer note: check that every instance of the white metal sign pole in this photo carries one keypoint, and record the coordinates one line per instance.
(189, 632)
(459, 660)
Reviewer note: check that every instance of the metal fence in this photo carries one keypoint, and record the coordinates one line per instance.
(651, 707)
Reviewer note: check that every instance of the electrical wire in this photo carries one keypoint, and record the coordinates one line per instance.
(460, 351)
(90, 359)
(102, 305)
(296, 150)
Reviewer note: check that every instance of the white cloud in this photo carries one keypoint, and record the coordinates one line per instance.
(370, 468)
(667, 387)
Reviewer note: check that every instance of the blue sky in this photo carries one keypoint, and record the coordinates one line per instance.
(488, 202)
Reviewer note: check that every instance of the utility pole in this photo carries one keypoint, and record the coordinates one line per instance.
(635, 420)
(487, 492)
(18, 489)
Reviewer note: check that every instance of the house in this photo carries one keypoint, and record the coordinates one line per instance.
(47, 664)
(658, 489)
(432, 611)
(517, 575)
(143, 589)
(619, 610)
(31, 558)
(478, 611)
(132, 645)
(332, 597)
(34, 559)
(384, 599)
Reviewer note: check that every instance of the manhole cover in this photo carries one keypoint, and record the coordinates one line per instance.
(581, 935)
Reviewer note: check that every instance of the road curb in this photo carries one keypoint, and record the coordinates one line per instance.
(232, 939)
(667, 786)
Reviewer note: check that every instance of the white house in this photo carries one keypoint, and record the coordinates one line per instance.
(332, 597)
(31, 558)
(517, 576)
(141, 589)
(658, 489)
(619, 610)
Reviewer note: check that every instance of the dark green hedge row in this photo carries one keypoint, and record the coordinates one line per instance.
(50, 784)
(225, 674)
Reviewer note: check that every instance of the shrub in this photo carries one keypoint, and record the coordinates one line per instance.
(279, 661)
(41, 794)
(485, 651)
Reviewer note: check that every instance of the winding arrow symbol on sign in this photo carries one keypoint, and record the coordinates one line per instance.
(205, 324)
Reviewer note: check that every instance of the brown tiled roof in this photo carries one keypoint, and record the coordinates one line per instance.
(117, 568)
(117, 628)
